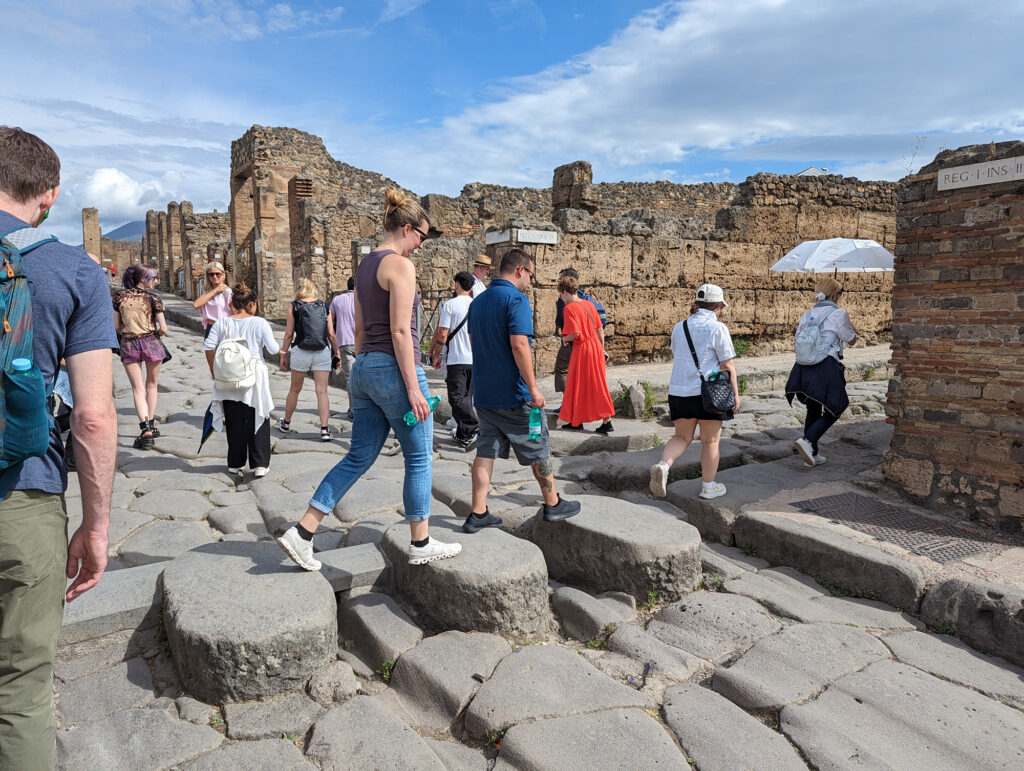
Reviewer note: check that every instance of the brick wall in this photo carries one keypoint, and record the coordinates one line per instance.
(957, 397)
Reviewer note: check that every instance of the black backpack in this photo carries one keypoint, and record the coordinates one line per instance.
(310, 325)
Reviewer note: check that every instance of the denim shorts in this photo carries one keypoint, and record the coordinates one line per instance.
(501, 430)
(304, 361)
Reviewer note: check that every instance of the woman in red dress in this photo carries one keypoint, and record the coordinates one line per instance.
(586, 388)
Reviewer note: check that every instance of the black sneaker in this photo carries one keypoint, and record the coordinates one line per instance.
(571, 427)
(469, 443)
(475, 524)
(561, 510)
(605, 428)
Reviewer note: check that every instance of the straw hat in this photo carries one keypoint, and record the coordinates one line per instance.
(484, 261)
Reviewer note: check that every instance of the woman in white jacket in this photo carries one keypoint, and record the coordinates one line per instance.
(244, 414)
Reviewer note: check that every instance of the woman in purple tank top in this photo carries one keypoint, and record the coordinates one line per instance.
(386, 383)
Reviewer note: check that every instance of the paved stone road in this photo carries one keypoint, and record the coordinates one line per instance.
(205, 648)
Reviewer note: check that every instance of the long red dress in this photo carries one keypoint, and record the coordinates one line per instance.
(586, 397)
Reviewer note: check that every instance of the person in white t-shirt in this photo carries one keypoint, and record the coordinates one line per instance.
(713, 347)
(450, 349)
(481, 272)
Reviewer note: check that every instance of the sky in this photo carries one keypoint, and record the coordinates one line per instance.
(141, 100)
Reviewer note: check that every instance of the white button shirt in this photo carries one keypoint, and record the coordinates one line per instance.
(835, 328)
(711, 341)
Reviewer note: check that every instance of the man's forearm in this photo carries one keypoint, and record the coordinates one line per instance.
(95, 437)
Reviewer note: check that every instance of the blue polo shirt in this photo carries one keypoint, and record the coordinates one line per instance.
(494, 315)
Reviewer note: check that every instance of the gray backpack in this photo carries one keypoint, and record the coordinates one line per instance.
(809, 347)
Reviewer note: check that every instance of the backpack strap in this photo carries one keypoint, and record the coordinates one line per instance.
(24, 240)
(693, 351)
(455, 331)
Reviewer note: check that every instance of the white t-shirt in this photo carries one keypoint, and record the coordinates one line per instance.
(711, 341)
(478, 286)
(833, 329)
(259, 336)
(452, 314)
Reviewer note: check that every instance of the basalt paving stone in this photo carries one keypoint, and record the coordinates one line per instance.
(174, 504)
(669, 663)
(287, 445)
(164, 540)
(278, 754)
(181, 480)
(368, 496)
(238, 519)
(371, 529)
(216, 446)
(127, 599)
(375, 628)
(585, 617)
(148, 465)
(98, 695)
(632, 470)
(333, 684)
(458, 757)
(233, 498)
(89, 656)
(291, 714)
(891, 715)
(123, 524)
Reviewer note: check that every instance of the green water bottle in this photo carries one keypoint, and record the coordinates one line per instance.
(410, 418)
(536, 418)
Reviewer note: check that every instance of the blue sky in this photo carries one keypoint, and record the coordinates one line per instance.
(142, 99)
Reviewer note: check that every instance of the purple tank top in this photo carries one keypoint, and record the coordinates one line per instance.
(375, 307)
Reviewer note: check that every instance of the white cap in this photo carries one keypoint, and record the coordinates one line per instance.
(711, 293)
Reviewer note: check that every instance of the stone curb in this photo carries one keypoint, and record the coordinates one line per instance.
(988, 617)
(124, 599)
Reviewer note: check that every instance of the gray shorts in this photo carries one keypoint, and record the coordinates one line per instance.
(502, 429)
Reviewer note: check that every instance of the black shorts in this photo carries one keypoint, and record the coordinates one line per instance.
(692, 408)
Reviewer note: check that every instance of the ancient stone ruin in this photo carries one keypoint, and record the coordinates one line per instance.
(111, 252)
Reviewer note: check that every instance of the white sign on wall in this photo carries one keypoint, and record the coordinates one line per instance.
(497, 236)
(988, 173)
(537, 236)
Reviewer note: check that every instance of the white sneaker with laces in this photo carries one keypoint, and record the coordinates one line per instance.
(434, 550)
(659, 478)
(819, 459)
(717, 490)
(260, 471)
(806, 451)
(298, 548)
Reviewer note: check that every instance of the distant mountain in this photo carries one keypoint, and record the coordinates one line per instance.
(131, 231)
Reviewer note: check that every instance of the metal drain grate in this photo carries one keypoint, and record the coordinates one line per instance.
(932, 538)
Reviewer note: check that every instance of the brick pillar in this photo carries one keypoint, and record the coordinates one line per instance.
(91, 232)
(568, 186)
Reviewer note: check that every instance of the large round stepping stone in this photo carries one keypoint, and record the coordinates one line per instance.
(498, 583)
(615, 545)
(244, 623)
(174, 504)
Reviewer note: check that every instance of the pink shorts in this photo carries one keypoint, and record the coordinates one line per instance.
(135, 350)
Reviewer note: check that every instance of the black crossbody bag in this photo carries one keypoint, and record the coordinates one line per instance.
(716, 394)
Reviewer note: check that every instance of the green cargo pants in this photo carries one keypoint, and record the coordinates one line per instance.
(33, 557)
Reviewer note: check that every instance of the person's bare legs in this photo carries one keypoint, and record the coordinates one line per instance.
(676, 446)
(710, 433)
(323, 405)
(545, 477)
(293, 395)
(135, 378)
(152, 374)
(481, 472)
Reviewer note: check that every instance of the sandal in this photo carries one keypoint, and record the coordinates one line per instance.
(325, 434)
(145, 439)
(151, 424)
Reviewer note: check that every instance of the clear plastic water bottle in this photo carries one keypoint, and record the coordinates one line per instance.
(536, 419)
(410, 418)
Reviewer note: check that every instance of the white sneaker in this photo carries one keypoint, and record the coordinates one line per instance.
(659, 478)
(434, 550)
(717, 490)
(806, 451)
(819, 459)
(260, 471)
(233, 470)
(298, 548)
(391, 447)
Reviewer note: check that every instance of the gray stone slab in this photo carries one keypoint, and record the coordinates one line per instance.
(711, 625)
(123, 524)
(585, 617)
(352, 736)
(232, 498)
(575, 468)
(164, 540)
(177, 481)
(458, 757)
(821, 552)
(375, 627)
(173, 504)
(498, 583)
(238, 519)
(613, 544)
(720, 736)
(98, 695)
(796, 664)
(256, 628)
(124, 599)
(951, 659)
(333, 684)
(632, 470)
(92, 655)
(292, 714)
(736, 556)
(371, 529)
(987, 616)
(940, 725)
(278, 754)
(437, 679)
(369, 496)
(670, 663)
(544, 681)
(188, 449)
(282, 511)
(613, 738)
(193, 710)
(355, 567)
(150, 464)
(629, 436)
(134, 739)
(289, 445)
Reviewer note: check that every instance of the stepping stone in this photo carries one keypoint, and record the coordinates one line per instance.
(181, 480)
(891, 715)
(735, 557)
(363, 734)
(669, 663)
(712, 625)
(280, 512)
(232, 498)
(986, 616)
(355, 567)
(544, 681)
(612, 738)
(953, 660)
(588, 618)
(371, 529)
(796, 664)
(149, 464)
(437, 679)
(292, 714)
(629, 436)
(334, 683)
(279, 754)
(632, 470)
(620, 546)
(164, 540)
(458, 757)
(238, 519)
(257, 628)
(123, 599)
(173, 504)
(498, 583)
(134, 738)
(96, 696)
(368, 496)
(376, 628)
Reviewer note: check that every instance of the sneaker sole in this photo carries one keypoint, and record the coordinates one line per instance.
(808, 459)
(560, 517)
(295, 557)
(657, 486)
(472, 530)
(432, 558)
(712, 495)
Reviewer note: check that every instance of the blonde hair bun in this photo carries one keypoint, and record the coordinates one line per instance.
(394, 198)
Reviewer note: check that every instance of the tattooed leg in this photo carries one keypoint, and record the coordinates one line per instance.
(544, 473)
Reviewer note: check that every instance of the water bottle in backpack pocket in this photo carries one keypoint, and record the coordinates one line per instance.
(26, 427)
(809, 346)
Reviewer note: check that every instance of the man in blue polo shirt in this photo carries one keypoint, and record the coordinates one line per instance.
(505, 389)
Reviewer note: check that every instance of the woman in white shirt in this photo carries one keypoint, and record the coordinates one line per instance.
(244, 414)
(713, 346)
(822, 386)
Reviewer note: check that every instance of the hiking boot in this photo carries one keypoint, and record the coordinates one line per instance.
(805, 449)
(561, 510)
(717, 490)
(819, 460)
(659, 479)
(474, 523)
(298, 548)
(434, 550)
(605, 428)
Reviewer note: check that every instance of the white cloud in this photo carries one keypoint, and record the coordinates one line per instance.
(116, 194)
(395, 9)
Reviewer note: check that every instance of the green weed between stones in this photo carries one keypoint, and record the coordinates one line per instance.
(869, 373)
(944, 627)
(649, 605)
(741, 345)
(215, 721)
(741, 384)
(837, 589)
(494, 737)
(600, 642)
(750, 550)
(648, 399)
(714, 583)
(386, 669)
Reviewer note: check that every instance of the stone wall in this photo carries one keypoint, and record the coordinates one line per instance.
(120, 254)
(198, 232)
(957, 397)
(91, 231)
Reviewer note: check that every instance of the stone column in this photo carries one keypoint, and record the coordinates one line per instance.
(91, 232)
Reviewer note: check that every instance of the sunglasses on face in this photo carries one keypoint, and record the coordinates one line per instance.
(420, 233)
(214, 274)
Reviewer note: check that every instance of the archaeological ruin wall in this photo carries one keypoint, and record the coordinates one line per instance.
(111, 252)
(957, 396)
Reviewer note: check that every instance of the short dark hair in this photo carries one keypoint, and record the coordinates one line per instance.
(351, 283)
(242, 296)
(28, 166)
(134, 275)
(569, 272)
(464, 280)
(512, 259)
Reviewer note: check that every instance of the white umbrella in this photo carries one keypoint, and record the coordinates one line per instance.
(844, 255)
